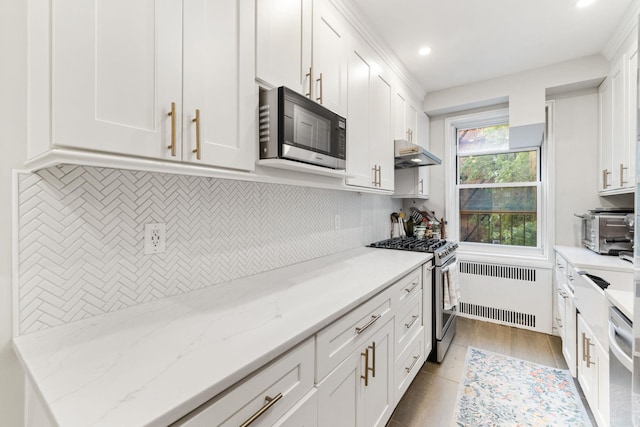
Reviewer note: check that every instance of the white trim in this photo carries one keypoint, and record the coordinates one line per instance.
(624, 29)
(546, 194)
(15, 267)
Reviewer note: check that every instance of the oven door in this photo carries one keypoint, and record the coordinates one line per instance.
(443, 318)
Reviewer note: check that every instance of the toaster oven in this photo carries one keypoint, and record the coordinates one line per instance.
(604, 230)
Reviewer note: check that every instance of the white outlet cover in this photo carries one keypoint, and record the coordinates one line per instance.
(154, 238)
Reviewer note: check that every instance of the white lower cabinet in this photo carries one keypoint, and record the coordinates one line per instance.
(266, 395)
(362, 362)
(303, 414)
(359, 392)
(593, 372)
(408, 364)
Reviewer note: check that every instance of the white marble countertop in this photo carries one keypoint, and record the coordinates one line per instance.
(152, 363)
(621, 299)
(584, 258)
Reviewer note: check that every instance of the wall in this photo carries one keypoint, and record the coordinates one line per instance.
(81, 229)
(13, 91)
(576, 151)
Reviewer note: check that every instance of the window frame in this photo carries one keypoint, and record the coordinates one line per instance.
(544, 187)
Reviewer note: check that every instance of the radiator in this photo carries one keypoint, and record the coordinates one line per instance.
(508, 295)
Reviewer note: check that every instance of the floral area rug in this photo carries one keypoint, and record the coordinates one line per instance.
(498, 390)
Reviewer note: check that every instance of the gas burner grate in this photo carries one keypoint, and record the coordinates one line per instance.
(410, 244)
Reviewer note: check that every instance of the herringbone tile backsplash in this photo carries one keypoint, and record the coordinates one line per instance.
(81, 229)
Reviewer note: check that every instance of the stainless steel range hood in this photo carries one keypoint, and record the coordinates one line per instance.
(409, 155)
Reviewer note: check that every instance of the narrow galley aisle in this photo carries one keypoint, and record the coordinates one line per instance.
(430, 400)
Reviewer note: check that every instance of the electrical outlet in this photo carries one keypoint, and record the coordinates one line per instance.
(337, 222)
(154, 238)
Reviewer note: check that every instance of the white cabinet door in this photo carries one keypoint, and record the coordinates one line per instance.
(605, 104)
(370, 147)
(423, 140)
(283, 43)
(217, 84)
(339, 395)
(358, 121)
(587, 374)
(378, 399)
(400, 130)
(359, 392)
(329, 57)
(382, 151)
(629, 164)
(619, 154)
(602, 361)
(116, 69)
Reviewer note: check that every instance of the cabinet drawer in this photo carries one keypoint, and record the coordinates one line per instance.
(405, 288)
(303, 414)
(408, 365)
(408, 322)
(290, 376)
(338, 340)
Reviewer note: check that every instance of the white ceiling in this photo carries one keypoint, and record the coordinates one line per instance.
(474, 40)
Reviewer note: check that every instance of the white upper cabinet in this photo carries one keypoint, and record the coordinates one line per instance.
(289, 53)
(329, 59)
(283, 43)
(217, 84)
(116, 70)
(617, 111)
(412, 125)
(369, 132)
(126, 78)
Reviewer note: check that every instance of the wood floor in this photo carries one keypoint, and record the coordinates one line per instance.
(430, 400)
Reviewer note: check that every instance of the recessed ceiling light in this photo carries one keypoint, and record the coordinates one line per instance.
(584, 3)
(427, 50)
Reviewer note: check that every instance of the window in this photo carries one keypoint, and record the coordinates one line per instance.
(498, 188)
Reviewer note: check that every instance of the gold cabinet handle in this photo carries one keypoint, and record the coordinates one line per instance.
(414, 319)
(421, 186)
(379, 175)
(589, 344)
(309, 76)
(409, 290)
(270, 402)
(172, 114)
(319, 98)
(584, 347)
(368, 324)
(415, 360)
(622, 169)
(374, 169)
(196, 120)
(365, 377)
(373, 357)
(605, 183)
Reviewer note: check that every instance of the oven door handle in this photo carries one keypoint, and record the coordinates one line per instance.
(618, 353)
(445, 267)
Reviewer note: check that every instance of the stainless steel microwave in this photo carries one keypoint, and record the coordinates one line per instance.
(605, 231)
(294, 127)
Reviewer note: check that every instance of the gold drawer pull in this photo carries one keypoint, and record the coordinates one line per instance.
(265, 408)
(415, 360)
(196, 120)
(365, 377)
(414, 318)
(369, 323)
(309, 75)
(605, 183)
(373, 356)
(409, 290)
(172, 114)
(622, 169)
(319, 80)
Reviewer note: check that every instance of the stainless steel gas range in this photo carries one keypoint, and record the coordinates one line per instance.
(444, 255)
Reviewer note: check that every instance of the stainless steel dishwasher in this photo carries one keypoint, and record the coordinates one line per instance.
(620, 368)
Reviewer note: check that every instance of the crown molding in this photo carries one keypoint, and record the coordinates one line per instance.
(623, 30)
(356, 18)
